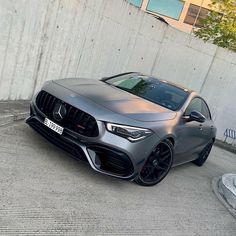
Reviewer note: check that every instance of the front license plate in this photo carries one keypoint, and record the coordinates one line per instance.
(53, 126)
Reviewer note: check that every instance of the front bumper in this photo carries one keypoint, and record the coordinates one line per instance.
(101, 158)
(107, 153)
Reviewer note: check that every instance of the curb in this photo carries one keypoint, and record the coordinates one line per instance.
(225, 146)
(216, 189)
(9, 119)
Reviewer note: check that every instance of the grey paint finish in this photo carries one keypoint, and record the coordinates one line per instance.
(116, 100)
(100, 100)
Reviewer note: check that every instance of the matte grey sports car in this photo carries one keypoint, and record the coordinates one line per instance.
(130, 126)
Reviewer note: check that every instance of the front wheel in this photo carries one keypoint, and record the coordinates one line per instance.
(158, 164)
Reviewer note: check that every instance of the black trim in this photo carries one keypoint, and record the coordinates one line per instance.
(56, 139)
(114, 76)
(112, 161)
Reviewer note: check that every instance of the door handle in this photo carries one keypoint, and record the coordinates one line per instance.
(201, 127)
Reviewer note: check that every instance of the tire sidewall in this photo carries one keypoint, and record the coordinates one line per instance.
(139, 180)
(200, 160)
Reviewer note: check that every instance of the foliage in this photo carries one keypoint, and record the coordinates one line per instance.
(220, 26)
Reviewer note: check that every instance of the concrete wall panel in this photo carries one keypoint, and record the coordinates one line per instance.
(53, 39)
(220, 92)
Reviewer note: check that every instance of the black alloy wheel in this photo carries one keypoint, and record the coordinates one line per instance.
(204, 154)
(157, 165)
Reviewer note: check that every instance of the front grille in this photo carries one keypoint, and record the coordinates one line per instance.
(75, 119)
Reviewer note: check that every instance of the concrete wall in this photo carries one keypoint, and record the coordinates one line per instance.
(52, 39)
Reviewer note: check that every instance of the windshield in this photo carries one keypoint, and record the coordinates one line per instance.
(151, 89)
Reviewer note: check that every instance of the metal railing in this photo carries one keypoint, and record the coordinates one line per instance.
(230, 133)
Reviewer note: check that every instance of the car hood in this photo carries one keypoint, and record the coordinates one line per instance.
(117, 100)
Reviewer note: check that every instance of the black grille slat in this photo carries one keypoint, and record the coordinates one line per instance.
(43, 107)
(69, 108)
(48, 101)
(79, 117)
(52, 105)
(85, 121)
(40, 98)
(75, 119)
(75, 114)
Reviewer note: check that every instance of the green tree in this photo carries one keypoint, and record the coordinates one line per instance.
(220, 25)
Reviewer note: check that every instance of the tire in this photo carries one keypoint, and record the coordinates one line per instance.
(203, 155)
(157, 165)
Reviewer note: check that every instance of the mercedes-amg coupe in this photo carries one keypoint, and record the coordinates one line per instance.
(130, 126)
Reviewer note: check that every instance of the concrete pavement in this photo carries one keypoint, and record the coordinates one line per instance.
(45, 192)
(11, 111)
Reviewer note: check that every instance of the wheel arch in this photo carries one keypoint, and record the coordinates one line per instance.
(172, 140)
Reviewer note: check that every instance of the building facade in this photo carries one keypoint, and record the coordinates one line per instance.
(184, 15)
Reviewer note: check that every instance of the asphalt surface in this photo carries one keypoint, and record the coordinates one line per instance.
(45, 192)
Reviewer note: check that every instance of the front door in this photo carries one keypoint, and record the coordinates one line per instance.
(191, 136)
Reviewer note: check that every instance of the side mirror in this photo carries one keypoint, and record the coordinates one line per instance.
(195, 116)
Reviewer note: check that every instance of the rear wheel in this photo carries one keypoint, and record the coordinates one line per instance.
(204, 154)
(157, 165)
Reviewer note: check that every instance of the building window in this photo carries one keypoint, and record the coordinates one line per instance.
(169, 8)
(136, 3)
(195, 14)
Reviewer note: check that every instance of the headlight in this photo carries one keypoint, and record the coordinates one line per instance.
(131, 133)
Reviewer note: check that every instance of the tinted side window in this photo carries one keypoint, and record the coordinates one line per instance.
(205, 110)
(195, 105)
